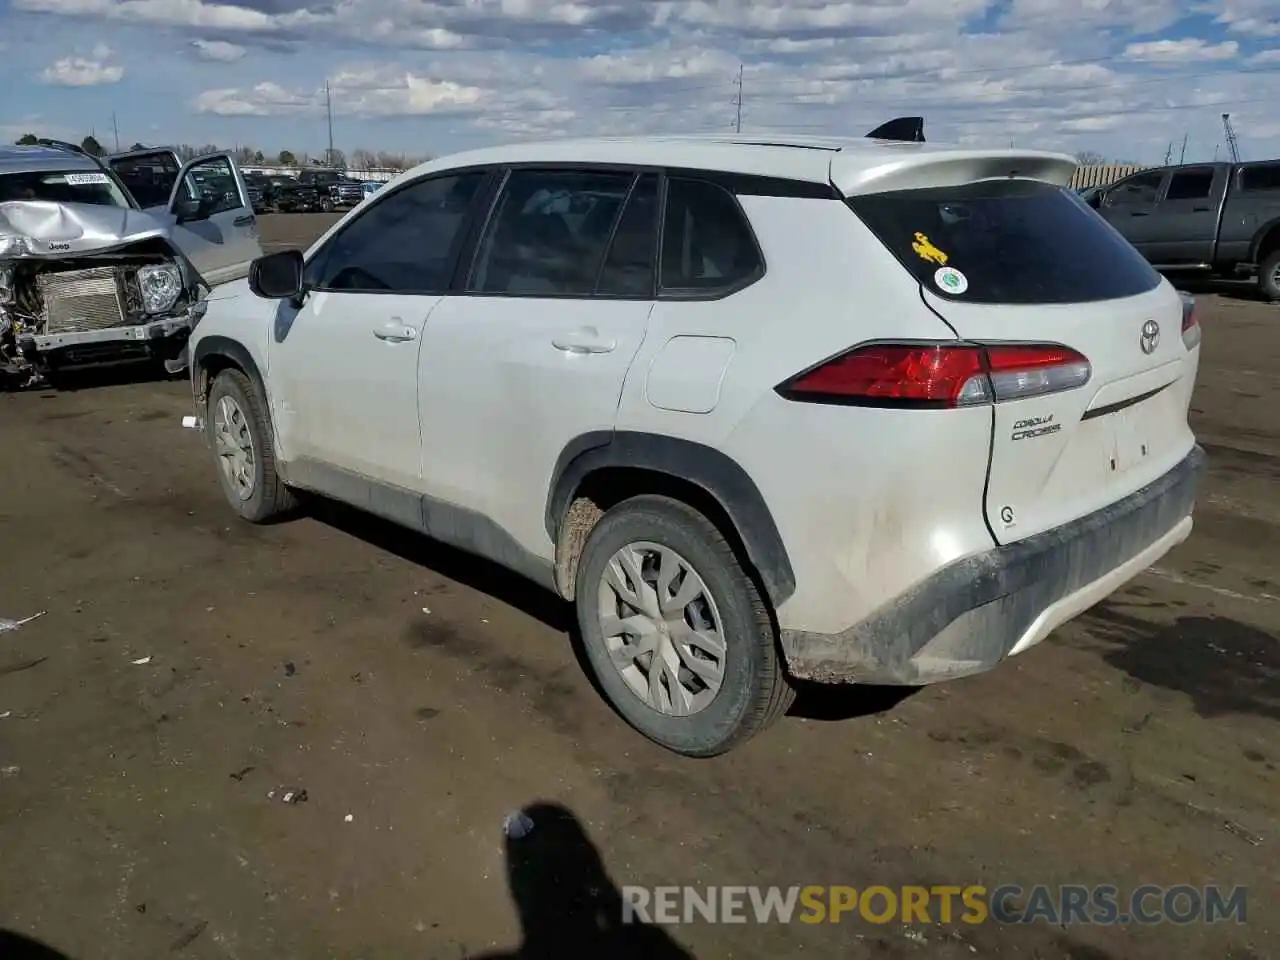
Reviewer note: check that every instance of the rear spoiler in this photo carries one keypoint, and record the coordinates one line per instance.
(902, 129)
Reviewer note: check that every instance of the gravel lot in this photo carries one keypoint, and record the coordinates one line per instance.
(419, 696)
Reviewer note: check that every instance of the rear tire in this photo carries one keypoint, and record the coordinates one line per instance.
(735, 687)
(1269, 275)
(240, 434)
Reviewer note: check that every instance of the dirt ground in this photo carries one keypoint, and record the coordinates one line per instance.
(190, 664)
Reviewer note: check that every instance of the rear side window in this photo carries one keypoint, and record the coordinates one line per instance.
(1006, 241)
(548, 232)
(1264, 176)
(628, 267)
(707, 245)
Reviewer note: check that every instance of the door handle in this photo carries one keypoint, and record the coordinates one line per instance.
(1139, 213)
(395, 331)
(245, 221)
(1200, 209)
(586, 340)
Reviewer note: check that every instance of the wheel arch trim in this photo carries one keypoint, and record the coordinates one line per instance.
(719, 475)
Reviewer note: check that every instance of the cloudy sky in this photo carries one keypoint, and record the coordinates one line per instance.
(1120, 77)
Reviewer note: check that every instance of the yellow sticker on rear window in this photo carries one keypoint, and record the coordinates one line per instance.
(925, 250)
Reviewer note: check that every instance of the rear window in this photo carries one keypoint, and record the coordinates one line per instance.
(1006, 241)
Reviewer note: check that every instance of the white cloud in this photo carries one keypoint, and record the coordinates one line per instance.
(1253, 18)
(1186, 50)
(219, 51)
(1119, 76)
(90, 71)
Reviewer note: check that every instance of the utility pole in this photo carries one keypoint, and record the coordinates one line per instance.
(328, 106)
(1233, 145)
(737, 123)
(1183, 157)
(116, 130)
(1168, 154)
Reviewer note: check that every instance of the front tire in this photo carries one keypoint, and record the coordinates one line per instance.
(239, 431)
(660, 589)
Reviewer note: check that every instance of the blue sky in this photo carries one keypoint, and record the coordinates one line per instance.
(1124, 78)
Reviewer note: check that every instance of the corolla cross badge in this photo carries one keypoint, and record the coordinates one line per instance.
(1150, 336)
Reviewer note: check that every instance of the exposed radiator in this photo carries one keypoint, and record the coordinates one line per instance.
(81, 300)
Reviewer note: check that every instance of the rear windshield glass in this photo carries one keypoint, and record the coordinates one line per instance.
(72, 186)
(1006, 241)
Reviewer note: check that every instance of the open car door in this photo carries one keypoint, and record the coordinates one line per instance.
(205, 203)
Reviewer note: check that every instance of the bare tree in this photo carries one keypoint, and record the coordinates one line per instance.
(1090, 158)
(363, 159)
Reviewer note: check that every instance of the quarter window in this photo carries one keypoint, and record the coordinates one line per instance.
(548, 232)
(404, 242)
(706, 242)
(1263, 176)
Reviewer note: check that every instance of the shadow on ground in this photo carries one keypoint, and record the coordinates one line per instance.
(839, 702)
(14, 946)
(814, 701)
(1245, 290)
(470, 571)
(1223, 665)
(568, 905)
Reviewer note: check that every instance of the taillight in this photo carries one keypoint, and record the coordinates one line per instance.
(939, 376)
(1191, 332)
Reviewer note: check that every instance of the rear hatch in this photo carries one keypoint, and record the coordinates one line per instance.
(1025, 261)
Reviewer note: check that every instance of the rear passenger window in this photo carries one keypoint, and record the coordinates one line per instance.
(628, 269)
(1264, 176)
(707, 245)
(548, 233)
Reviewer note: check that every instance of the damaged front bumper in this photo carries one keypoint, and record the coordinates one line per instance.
(160, 328)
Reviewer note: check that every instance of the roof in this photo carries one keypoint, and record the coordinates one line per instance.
(854, 164)
(25, 159)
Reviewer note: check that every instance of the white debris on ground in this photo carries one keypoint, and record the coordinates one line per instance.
(7, 625)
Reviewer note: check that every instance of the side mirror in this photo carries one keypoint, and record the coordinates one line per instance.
(277, 276)
(187, 209)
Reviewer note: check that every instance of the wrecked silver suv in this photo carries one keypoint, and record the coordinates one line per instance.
(95, 271)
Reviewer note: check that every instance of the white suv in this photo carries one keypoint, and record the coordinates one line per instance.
(845, 411)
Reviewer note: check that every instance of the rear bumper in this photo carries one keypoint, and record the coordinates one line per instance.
(975, 612)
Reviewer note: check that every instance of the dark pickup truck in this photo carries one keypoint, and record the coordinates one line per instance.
(1216, 219)
(322, 190)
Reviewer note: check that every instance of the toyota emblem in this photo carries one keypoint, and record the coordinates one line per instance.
(1150, 336)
